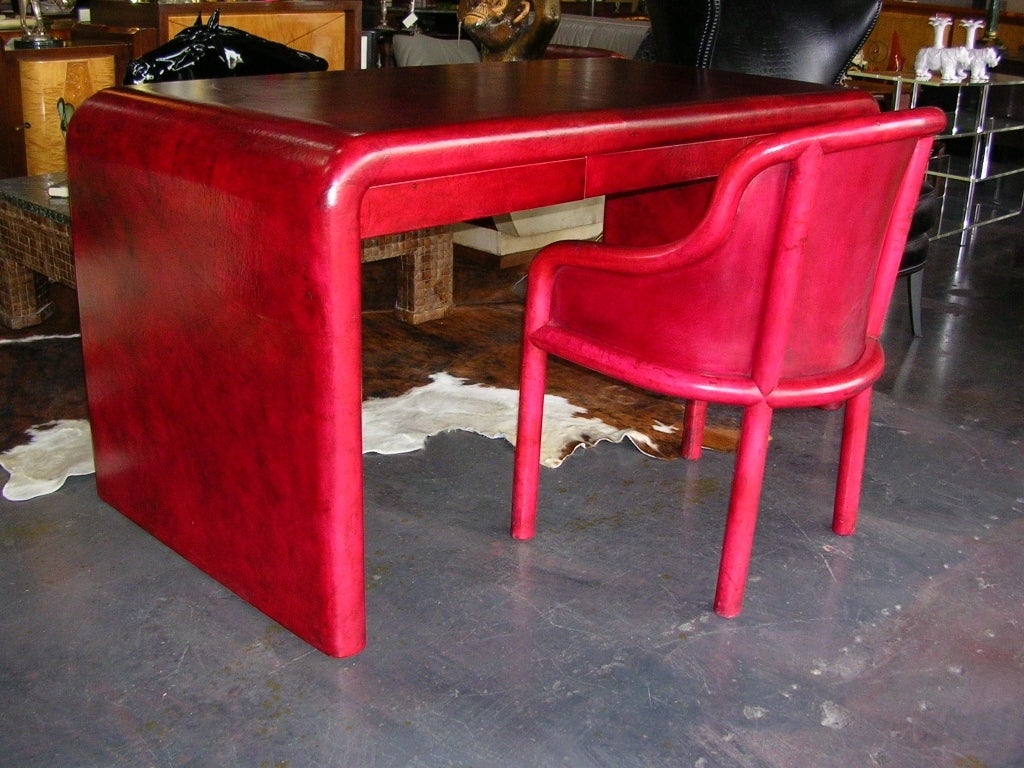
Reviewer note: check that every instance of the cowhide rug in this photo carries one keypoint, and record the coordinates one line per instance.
(56, 451)
(458, 373)
(402, 424)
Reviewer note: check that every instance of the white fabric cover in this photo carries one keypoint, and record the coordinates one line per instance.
(423, 50)
(620, 35)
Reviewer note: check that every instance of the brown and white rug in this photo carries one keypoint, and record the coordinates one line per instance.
(458, 373)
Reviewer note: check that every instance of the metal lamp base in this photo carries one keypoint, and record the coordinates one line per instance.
(37, 43)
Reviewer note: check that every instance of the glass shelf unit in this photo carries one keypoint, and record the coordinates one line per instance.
(979, 161)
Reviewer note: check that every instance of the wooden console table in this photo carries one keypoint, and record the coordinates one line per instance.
(220, 308)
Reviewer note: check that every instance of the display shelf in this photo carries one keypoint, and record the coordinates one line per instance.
(969, 124)
(980, 151)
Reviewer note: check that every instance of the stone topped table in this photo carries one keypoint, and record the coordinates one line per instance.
(35, 248)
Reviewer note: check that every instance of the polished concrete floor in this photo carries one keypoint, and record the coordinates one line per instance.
(594, 644)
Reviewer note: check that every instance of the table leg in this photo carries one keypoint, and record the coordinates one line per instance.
(425, 270)
(24, 296)
(224, 371)
(425, 276)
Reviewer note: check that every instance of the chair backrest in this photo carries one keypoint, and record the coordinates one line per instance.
(792, 267)
(810, 40)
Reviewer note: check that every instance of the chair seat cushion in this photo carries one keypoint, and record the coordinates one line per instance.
(926, 214)
(914, 255)
(926, 211)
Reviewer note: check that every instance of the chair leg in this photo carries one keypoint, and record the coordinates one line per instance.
(914, 283)
(694, 417)
(743, 505)
(526, 475)
(851, 462)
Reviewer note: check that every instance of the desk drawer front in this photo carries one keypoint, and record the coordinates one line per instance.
(442, 200)
(659, 166)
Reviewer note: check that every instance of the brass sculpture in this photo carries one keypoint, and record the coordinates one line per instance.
(505, 30)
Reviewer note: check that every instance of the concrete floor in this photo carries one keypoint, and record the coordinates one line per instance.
(594, 644)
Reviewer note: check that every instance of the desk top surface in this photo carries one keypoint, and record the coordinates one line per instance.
(392, 99)
(335, 135)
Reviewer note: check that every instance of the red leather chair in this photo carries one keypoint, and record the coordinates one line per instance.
(775, 300)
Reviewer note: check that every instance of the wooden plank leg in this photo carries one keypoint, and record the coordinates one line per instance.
(24, 296)
(425, 275)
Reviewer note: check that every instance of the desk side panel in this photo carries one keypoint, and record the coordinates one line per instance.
(209, 293)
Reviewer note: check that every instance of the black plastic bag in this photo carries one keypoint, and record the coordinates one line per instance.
(211, 50)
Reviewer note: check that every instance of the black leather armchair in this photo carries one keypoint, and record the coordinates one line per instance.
(926, 215)
(812, 40)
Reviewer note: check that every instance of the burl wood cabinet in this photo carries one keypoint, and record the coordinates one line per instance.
(32, 84)
(96, 55)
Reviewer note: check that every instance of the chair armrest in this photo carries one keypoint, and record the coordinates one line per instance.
(625, 260)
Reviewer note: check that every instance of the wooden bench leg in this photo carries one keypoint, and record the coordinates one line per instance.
(425, 276)
(426, 270)
(24, 296)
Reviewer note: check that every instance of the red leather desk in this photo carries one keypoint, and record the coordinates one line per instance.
(217, 230)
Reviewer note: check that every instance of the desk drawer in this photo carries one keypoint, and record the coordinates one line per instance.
(659, 166)
(444, 199)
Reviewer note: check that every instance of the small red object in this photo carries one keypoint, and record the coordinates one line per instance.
(896, 59)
